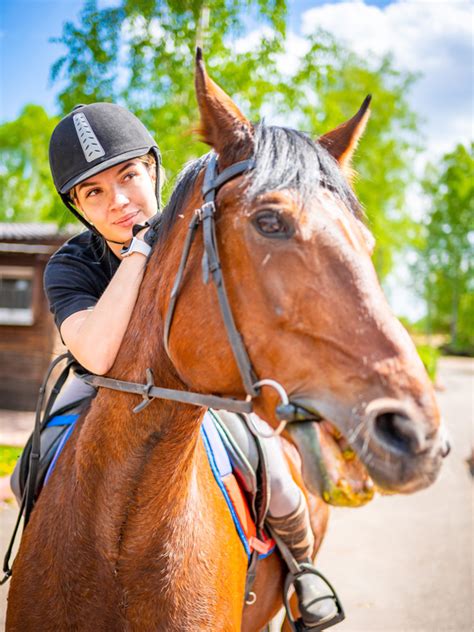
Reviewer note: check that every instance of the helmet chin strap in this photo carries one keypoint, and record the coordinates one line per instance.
(120, 243)
(75, 212)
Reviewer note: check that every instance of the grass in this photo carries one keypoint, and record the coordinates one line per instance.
(8, 457)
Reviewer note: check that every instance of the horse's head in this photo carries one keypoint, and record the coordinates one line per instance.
(296, 259)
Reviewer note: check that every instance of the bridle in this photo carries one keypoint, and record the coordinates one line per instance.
(211, 264)
(286, 411)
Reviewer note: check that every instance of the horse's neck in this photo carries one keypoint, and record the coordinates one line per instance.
(157, 445)
(151, 454)
(126, 443)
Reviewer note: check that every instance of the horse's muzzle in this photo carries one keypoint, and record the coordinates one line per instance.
(402, 451)
(397, 429)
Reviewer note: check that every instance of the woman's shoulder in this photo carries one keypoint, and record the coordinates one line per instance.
(84, 246)
(84, 256)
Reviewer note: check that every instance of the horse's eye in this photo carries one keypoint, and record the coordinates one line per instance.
(272, 224)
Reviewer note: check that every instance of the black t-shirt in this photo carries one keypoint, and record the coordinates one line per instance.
(77, 275)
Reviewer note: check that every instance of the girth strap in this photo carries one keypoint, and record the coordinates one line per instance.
(41, 418)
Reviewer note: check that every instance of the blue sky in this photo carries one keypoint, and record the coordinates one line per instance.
(432, 38)
(429, 37)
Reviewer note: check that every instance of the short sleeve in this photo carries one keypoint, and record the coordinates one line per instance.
(69, 287)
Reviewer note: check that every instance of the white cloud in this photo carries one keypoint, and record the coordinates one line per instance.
(251, 40)
(431, 38)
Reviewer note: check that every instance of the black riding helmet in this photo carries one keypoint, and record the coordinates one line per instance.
(93, 138)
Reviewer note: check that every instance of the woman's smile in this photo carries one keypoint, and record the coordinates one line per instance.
(127, 220)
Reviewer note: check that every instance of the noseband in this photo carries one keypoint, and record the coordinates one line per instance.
(211, 268)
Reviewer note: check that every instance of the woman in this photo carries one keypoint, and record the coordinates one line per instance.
(106, 168)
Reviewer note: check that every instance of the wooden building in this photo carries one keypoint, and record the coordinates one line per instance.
(28, 335)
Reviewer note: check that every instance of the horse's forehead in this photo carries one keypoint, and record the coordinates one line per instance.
(326, 212)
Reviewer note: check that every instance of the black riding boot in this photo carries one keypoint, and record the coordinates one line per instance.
(317, 601)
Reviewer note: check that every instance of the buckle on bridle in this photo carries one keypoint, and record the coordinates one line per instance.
(146, 392)
(208, 209)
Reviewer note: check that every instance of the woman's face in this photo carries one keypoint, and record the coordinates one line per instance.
(118, 198)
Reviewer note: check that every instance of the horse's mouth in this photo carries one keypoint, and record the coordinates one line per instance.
(331, 468)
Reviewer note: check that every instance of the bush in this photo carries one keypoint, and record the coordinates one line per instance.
(8, 458)
(429, 356)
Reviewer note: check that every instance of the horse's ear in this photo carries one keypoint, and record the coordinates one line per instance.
(222, 126)
(342, 141)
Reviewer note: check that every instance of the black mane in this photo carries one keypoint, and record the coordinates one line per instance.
(285, 159)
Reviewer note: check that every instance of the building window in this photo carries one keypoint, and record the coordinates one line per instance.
(16, 295)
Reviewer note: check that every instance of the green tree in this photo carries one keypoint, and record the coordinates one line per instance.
(140, 54)
(327, 89)
(26, 187)
(447, 253)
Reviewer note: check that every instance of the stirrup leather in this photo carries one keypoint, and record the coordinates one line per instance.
(297, 625)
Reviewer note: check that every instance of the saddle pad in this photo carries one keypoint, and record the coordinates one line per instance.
(221, 468)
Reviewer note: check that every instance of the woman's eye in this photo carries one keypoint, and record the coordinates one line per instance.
(130, 175)
(272, 224)
(92, 192)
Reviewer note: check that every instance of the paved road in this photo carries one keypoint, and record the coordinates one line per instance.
(401, 564)
(405, 563)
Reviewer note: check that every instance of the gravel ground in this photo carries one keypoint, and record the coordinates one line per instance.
(401, 564)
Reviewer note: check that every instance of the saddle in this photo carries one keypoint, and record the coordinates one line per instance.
(53, 437)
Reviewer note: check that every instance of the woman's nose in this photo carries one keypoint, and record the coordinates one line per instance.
(119, 199)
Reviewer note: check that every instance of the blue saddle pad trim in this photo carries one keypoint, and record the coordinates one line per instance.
(215, 450)
(208, 431)
(62, 420)
(221, 458)
(67, 420)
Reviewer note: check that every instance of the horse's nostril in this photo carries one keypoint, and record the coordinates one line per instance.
(399, 433)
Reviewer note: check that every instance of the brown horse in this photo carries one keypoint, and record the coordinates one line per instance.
(131, 531)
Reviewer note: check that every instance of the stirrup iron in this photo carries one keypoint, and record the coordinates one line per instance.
(297, 625)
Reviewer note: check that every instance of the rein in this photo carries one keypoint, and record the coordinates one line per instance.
(286, 411)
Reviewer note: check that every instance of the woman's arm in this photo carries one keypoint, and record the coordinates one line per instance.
(94, 336)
